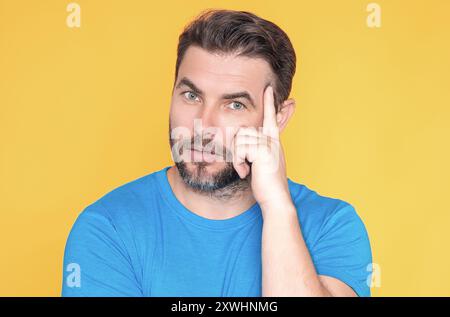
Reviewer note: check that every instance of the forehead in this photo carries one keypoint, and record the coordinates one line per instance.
(217, 73)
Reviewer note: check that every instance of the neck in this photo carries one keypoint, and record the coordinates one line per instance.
(220, 204)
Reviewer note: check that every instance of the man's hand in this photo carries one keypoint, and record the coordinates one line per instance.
(287, 267)
(261, 153)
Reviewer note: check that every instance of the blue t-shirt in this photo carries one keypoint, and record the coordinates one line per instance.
(139, 240)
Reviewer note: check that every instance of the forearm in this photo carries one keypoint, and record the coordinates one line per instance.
(287, 267)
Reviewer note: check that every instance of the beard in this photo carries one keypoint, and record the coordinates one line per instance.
(204, 178)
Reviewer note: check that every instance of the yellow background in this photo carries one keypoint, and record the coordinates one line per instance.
(85, 110)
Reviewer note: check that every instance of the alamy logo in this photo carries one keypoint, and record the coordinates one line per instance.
(374, 17)
(74, 277)
(73, 20)
(374, 278)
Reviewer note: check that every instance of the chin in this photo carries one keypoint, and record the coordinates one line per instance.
(208, 177)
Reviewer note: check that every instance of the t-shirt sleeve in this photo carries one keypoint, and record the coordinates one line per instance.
(343, 250)
(96, 262)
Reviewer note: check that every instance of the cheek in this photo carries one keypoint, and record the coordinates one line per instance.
(230, 131)
(237, 120)
(181, 116)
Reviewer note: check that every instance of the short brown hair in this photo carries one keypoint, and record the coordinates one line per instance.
(244, 33)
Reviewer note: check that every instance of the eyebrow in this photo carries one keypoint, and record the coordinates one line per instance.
(242, 94)
(186, 82)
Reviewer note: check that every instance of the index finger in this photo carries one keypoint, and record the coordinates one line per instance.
(270, 126)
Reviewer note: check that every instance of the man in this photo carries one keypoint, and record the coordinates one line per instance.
(224, 220)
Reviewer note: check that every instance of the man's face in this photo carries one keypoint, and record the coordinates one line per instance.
(214, 95)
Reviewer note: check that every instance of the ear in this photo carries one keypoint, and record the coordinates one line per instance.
(285, 113)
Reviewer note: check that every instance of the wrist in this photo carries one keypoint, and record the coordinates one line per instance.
(279, 207)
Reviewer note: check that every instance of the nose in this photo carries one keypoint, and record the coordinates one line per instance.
(208, 116)
(206, 122)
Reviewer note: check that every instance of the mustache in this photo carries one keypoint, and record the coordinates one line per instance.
(205, 145)
(202, 144)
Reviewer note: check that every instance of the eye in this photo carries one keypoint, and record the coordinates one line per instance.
(237, 105)
(191, 96)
